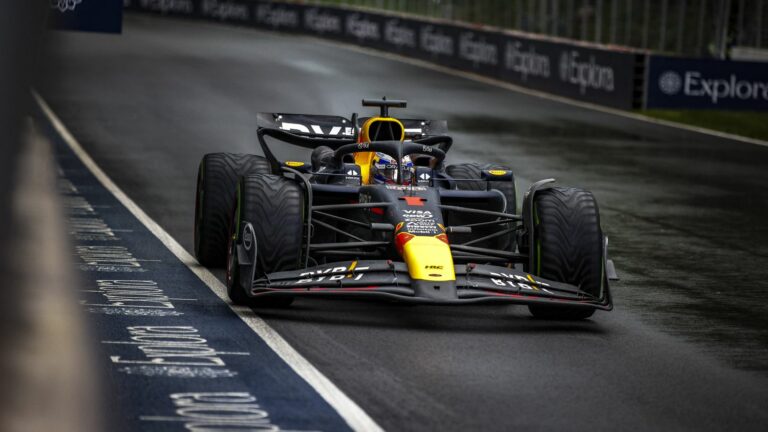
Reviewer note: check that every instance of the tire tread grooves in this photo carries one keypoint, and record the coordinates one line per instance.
(220, 172)
(571, 242)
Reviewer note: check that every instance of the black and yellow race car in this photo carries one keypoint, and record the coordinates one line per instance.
(428, 233)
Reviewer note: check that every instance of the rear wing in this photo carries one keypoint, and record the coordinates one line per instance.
(315, 126)
(311, 131)
(326, 126)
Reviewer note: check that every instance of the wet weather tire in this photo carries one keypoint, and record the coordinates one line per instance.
(274, 206)
(216, 183)
(568, 246)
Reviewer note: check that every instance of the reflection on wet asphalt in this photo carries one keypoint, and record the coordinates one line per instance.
(687, 221)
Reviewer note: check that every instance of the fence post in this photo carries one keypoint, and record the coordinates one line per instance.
(531, 16)
(614, 19)
(663, 26)
(740, 21)
(646, 23)
(759, 32)
(681, 25)
(628, 26)
(542, 17)
(599, 21)
(724, 19)
(700, 32)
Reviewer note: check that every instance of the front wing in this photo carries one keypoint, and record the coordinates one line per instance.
(475, 283)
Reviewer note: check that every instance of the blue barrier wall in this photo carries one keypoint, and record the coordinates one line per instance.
(674, 82)
(87, 15)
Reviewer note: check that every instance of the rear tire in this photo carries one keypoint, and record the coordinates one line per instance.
(274, 205)
(467, 171)
(216, 183)
(507, 188)
(568, 246)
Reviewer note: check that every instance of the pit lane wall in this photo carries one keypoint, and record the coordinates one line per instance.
(601, 76)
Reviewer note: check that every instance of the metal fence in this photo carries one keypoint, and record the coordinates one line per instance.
(689, 27)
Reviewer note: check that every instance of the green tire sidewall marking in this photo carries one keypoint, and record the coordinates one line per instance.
(238, 211)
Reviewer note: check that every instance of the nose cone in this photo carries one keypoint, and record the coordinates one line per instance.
(428, 257)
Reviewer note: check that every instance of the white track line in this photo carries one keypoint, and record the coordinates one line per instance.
(355, 417)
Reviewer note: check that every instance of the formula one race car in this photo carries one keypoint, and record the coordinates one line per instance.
(377, 213)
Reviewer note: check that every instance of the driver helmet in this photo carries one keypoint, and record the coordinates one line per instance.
(384, 169)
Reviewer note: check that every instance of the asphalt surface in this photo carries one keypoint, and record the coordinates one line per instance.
(686, 347)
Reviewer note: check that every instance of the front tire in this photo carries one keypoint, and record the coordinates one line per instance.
(216, 183)
(274, 206)
(568, 246)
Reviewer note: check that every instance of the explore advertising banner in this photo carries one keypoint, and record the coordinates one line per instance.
(104, 16)
(588, 74)
(598, 76)
(706, 84)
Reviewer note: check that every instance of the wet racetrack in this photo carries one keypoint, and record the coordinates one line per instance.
(686, 347)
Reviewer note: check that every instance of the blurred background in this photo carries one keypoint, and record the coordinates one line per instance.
(716, 28)
(21, 31)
